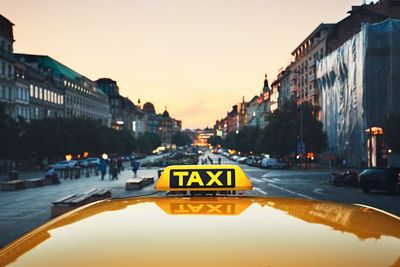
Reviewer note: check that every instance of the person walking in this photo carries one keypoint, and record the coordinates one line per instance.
(113, 170)
(102, 168)
(135, 166)
(119, 164)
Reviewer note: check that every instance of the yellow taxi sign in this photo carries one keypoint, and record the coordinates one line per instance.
(203, 178)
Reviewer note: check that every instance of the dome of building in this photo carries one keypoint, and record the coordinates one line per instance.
(149, 108)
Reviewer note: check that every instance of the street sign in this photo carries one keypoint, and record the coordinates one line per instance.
(301, 148)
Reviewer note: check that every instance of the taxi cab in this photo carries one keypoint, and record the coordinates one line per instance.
(200, 217)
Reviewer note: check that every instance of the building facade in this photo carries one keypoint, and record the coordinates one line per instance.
(7, 60)
(314, 47)
(39, 96)
(328, 37)
(264, 103)
(124, 113)
(253, 112)
(58, 91)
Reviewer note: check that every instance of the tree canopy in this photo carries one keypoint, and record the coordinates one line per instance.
(181, 139)
(282, 133)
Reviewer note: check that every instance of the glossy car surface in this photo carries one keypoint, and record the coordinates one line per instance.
(212, 231)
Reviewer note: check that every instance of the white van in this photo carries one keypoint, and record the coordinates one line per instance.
(272, 163)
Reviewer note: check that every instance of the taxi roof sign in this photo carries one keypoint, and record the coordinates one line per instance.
(203, 178)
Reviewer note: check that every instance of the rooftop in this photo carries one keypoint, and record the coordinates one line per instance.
(47, 62)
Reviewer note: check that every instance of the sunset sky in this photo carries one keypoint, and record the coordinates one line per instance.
(198, 58)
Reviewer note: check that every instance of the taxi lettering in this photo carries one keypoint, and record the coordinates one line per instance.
(204, 208)
(222, 178)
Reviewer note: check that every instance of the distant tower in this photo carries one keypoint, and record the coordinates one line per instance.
(139, 104)
(266, 86)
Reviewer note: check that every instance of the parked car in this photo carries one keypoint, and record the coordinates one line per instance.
(249, 160)
(272, 163)
(64, 164)
(93, 161)
(241, 159)
(234, 158)
(380, 178)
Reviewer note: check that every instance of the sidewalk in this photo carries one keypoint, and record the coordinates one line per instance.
(24, 210)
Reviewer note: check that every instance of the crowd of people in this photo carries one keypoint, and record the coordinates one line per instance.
(115, 166)
(208, 159)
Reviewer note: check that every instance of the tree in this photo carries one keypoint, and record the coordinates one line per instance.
(215, 141)
(181, 139)
(11, 132)
(147, 142)
(392, 132)
(282, 133)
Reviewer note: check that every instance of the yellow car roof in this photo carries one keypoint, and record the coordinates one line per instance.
(211, 231)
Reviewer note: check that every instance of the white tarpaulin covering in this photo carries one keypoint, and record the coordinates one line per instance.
(360, 86)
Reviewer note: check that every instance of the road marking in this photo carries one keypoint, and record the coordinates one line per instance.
(290, 191)
(256, 180)
(252, 170)
(271, 180)
(319, 191)
(265, 175)
(260, 190)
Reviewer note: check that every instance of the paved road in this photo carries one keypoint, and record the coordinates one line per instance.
(312, 184)
(22, 211)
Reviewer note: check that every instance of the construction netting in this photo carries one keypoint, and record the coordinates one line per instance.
(360, 86)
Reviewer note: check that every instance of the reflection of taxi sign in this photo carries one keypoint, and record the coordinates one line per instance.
(203, 178)
(203, 206)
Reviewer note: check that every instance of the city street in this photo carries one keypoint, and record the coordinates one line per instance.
(311, 184)
(23, 210)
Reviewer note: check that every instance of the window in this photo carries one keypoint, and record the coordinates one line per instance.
(36, 92)
(10, 70)
(40, 93)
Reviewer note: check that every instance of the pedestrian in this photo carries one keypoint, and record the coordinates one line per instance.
(119, 164)
(205, 161)
(103, 168)
(135, 166)
(113, 170)
(219, 161)
(51, 175)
